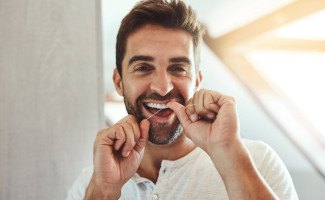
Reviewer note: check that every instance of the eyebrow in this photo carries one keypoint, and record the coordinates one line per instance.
(150, 59)
(140, 58)
(180, 60)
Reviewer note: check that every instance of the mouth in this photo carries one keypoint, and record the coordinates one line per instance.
(158, 109)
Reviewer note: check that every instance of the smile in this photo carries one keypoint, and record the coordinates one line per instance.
(153, 108)
(156, 105)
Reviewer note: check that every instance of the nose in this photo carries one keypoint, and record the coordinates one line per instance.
(161, 83)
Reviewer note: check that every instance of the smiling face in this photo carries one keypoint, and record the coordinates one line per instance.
(158, 67)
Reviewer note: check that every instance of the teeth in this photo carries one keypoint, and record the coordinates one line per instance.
(156, 105)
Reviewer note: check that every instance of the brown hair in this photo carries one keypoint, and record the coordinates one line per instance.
(169, 14)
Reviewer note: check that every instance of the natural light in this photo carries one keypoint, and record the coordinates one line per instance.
(308, 28)
(299, 75)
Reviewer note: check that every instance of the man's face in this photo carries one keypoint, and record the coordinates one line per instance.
(158, 67)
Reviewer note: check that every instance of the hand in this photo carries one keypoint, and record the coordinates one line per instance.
(118, 152)
(209, 119)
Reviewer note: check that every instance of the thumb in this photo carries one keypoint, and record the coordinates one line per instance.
(144, 129)
(179, 110)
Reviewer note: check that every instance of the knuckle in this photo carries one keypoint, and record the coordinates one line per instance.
(119, 125)
(205, 90)
(136, 137)
(189, 111)
(129, 143)
(119, 129)
(136, 134)
(131, 118)
(202, 112)
(127, 125)
(101, 132)
(231, 99)
(124, 119)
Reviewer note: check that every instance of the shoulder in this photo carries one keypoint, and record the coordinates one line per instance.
(272, 168)
(255, 145)
(260, 152)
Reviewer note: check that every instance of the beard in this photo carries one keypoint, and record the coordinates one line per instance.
(159, 133)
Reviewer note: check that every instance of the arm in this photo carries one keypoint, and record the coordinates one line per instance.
(239, 174)
(212, 124)
(99, 190)
(118, 152)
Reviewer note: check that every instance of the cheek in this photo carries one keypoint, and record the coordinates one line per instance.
(133, 89)
(186, 89)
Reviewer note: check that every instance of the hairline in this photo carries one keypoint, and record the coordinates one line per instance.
(195, 47)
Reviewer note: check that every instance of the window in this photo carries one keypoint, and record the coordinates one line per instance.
(280, 58)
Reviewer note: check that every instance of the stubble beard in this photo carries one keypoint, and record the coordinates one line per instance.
(159, 133)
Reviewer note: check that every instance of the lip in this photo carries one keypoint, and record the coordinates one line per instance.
(155, 117)
(156, 101)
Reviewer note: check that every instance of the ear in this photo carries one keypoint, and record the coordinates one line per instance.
(118, 82)
(198, 79)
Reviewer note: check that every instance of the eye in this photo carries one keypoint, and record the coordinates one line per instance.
(143, 68)
(178, 69)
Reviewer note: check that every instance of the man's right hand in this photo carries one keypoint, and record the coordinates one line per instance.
(118, 152)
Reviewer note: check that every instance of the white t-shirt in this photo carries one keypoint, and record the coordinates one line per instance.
(195, 177)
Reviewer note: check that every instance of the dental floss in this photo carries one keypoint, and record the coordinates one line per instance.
(164, 108)
(155, 113)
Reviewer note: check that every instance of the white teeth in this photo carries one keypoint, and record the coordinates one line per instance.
(156, 105)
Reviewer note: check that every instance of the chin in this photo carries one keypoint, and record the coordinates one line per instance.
(160, 134)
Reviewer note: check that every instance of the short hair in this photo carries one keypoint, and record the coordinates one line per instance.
(168, 14)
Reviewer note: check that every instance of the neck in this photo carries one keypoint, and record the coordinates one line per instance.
(155, 154)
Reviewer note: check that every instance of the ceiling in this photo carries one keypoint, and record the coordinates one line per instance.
(220, 17)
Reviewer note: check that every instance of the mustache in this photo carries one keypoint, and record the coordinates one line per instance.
(155, 96)
(135, 109)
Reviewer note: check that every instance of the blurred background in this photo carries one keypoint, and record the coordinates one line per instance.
(56, 89)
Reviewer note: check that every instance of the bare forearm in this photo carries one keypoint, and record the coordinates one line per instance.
(97, 191)
(241, 178)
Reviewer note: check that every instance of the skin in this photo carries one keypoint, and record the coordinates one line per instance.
(123, 149)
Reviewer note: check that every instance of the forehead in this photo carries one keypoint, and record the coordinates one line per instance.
(159, 42)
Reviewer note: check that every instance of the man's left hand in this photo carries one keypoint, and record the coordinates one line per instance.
(209, 119)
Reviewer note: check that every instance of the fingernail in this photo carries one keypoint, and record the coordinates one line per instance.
(168, 104)
(126, 154)
(194, 117)
(210, 115)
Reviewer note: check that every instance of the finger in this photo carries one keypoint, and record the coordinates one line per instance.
(196, 108)
(189, 109)
(144, 131)
(119, 137)
(135, 127)
(211, 102)
(103, 139)
(200, 101)
(210, 105)
(129, 142)
(119, 134)
(195, 100)
(179, 110)
(200, 109)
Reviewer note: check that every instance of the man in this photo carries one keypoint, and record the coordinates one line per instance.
(178, 141)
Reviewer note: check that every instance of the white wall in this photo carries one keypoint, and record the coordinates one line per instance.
(51, 100)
